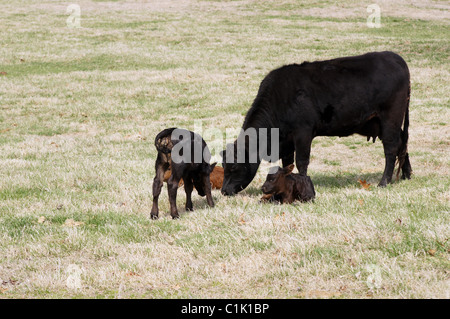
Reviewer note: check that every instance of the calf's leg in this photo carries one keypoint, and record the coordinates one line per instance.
(156, 188)
(188, 187)
(172, 185)
(207, 188)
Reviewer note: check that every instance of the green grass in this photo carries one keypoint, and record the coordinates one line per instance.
(79, 109)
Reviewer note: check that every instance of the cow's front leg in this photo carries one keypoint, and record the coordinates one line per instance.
(391, 144)
(288, 160)
(388, 170)
(302, 152)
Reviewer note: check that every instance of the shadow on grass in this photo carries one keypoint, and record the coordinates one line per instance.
(252, 191)
(198, 202)
(330, 181)
(323, 180)
(344, 180)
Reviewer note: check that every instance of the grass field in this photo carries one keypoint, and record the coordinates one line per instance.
(79, 110)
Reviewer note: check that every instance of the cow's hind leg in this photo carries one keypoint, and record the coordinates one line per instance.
(406, 168)
(395, 139)
(157, 185)
(391, 144)
(302, 152)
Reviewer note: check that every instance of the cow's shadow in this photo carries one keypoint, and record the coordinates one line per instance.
(330, 181)
(345, 180)
(320, 180)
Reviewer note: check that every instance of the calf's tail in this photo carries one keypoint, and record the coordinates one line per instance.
(163, 141)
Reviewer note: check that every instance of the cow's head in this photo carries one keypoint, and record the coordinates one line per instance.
(276, 180)
(237, 175)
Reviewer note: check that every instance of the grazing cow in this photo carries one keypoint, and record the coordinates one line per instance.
(285, 187)
(192, 173)
(366, 94)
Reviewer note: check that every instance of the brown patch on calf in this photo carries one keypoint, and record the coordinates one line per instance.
(167, 175)
(216, 177)
(190, 173)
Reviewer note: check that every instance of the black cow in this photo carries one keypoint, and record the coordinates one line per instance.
(366, 94)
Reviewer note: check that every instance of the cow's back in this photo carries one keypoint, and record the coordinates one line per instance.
(334, 96)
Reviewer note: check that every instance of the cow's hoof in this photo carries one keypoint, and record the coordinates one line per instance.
(175, 216)
(382, 184)
(154, 216)
(404, 176)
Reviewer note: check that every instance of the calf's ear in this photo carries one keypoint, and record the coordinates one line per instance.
(288, 169)
(212, 166)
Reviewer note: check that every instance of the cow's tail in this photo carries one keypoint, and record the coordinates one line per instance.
(163, 141)
(403, 152)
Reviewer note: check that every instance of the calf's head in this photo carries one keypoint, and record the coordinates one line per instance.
(276, 182)
(199, 179)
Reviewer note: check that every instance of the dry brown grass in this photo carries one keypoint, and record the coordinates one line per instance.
(77, 122)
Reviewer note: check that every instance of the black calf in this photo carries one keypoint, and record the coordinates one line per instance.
(193, 174)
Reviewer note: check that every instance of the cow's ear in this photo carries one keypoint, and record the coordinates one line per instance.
(288, 169)
(212, 166)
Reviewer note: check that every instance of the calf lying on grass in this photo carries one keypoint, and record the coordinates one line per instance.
(284, 187)
(187, 168)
